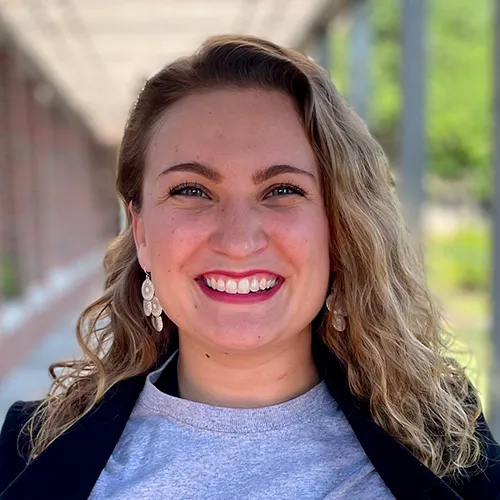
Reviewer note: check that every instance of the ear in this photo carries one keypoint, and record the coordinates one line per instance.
(140, 239)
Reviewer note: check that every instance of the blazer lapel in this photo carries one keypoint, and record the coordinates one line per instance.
(405, 476)
(71, 465)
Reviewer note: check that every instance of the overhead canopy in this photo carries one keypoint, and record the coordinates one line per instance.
(99, 52)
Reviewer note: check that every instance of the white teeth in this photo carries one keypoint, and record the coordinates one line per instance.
(270, 283)
(244, 286)
(231, 286)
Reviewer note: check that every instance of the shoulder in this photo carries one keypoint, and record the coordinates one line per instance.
(484, 481)
(13, 445)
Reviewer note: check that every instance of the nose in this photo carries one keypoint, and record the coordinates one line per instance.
(239, 232)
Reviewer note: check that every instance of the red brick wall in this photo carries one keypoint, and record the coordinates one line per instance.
(57, 196)
(7, 234)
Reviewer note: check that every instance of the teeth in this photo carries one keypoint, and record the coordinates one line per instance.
(243, 286)
(254, 285)
(231, 286)
(270, 283)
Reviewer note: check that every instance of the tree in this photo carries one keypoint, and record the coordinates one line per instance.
(459, 85)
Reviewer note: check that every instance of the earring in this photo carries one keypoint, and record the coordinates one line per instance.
(339, 322)
(151, 304)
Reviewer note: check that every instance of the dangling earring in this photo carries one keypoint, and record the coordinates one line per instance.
(339, 322)
(151, 304)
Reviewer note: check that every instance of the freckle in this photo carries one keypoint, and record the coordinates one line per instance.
(207, 356)
(195, 306)
(226, 353)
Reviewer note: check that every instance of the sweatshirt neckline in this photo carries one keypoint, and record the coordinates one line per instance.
(232, 420)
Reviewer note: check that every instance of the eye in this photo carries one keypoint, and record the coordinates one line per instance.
(189, 190)
(285, 189)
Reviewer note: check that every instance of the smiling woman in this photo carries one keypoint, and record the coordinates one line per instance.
(266, 331)
(240, 208)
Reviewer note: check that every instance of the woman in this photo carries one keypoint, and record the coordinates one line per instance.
(265, 331)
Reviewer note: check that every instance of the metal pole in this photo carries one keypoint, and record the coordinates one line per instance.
(494, 391)
(413, 155)
(360, 43)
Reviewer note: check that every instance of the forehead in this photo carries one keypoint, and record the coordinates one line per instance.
(230, 128)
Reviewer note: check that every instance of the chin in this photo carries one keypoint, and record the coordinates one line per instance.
(239, 337)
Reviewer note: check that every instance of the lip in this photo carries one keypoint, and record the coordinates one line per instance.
(237, 298)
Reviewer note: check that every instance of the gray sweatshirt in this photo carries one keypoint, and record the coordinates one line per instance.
(172, 448)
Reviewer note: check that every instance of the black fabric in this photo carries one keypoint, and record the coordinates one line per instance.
(11, 450)
(167, 381)
(69, 467)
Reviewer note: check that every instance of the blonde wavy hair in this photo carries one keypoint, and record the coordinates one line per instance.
(394, 351)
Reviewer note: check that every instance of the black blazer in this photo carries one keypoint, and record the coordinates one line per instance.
(70, 466)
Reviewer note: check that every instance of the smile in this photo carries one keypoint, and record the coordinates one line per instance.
(252, 287)
(252, 284)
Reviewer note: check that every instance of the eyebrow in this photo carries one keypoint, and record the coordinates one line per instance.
(195, 168)
(258, 177)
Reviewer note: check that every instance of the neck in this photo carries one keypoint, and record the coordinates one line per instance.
(246, 380)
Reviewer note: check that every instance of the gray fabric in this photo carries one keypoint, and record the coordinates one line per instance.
(173, 448)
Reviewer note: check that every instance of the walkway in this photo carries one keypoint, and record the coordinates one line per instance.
(30, 380)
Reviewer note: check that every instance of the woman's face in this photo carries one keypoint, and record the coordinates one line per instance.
(233, 227)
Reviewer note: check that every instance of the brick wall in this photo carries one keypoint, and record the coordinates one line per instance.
(57, 197)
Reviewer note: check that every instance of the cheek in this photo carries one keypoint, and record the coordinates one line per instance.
(172, 236)
(303, 235)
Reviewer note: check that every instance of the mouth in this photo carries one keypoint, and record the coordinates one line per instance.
(251, 287)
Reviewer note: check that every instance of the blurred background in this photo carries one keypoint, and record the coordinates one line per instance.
(422, 73)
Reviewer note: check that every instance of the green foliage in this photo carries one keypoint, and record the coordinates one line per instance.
(9, 284)
(459, 84)
(459, 261)
(386, 93)
(339, 48)
(458, 269)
